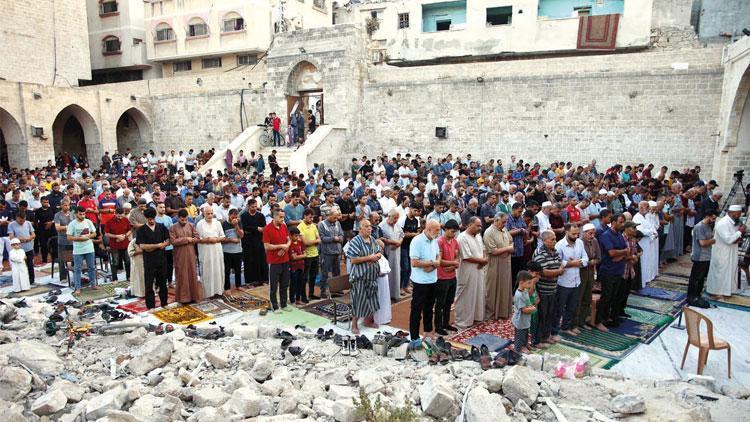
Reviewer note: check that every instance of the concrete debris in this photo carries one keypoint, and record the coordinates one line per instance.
(437, 399)
(211, 396)
(483, 406)
(38, 356)
(519, 384)
(50, 403)
(135, 337)
(15, 383)
(154, 354)
(628, 404)
(218, 358)
(98, 406)
(735, 391)
(73, 392)
(492, 379)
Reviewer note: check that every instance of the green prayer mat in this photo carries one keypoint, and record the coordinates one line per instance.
(646, 317)
(603, 340)
(298, 317)
(104, 291)
(652, 304)
(674, 278)
(595, 361)
(35, 290)
(668, 285)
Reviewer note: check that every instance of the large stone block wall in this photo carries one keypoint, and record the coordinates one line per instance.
(41, 38)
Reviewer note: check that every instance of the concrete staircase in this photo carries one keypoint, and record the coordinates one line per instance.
(283, 156)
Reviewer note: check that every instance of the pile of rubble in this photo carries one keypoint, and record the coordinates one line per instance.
(142, 376)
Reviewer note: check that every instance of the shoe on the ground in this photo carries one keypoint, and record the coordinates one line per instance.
(313, 297)
(451, 328)
(441, 331)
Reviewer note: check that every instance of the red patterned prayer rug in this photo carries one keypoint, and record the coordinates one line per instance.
(498, 327)
(139, 305)
(597, 32)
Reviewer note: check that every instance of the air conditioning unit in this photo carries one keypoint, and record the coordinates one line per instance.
(37, 131)
(441, 132)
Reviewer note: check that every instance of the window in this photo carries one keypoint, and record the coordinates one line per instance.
(164, 33)
(111, 44)
(247, 59)
(137, 41)
(197, 28)
(320, 4)
(211, 63)
(443, 25)
(182, 66)
(582, 11)
(499, 15)
(233, 22)
(107, 7)
(403, 20)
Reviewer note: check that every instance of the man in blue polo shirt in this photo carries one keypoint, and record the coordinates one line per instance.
(614, 252)
(424, 253)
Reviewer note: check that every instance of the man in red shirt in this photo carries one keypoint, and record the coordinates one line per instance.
(276, 122)
(445, 290)
(574, 214)
(117, 230)
(107, 206)
(276, 243)
(91, 207)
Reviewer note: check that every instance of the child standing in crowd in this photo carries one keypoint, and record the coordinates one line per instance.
(19, 271)
(535, 270)
(523, 309)
(296, 267)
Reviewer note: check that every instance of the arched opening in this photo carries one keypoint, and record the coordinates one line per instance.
(75, 135)
(164, 32)
(305, 97)
(232, 22)
(111, 45)
(197, 27)
(13, 151)
(133, 132)
(743, 113)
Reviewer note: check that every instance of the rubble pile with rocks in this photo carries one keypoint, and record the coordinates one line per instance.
(138, 375)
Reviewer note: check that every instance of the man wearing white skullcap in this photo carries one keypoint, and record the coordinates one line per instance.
(648, 224)
(722, 273)
(542, 218)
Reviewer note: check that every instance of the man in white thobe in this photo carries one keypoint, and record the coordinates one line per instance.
(649, 226)
(722, 273)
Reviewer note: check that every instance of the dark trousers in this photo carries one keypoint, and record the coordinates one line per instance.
(277, 138)
(623, 292)
(297, 285)
(516, 264)
(30, 265)
(328, 264)
(60, 264)
(546, 311)
(312, 266)
(169, 270)
(567, 302)
(698, 275)
(422, 303)
(232, 262)
(687, 238)
(610, 287)
(278, 274)
(445, 292)
(406, 269)
(120, 257)
(43, 238)
(155, 275)
(520, 339)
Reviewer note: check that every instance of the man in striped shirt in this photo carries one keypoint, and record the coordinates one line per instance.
(552, 267)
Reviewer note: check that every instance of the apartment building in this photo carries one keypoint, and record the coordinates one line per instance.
(117, 42)
(211, 36)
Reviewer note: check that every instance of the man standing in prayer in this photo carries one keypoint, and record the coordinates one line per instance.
(152, 238)
(184, 237)
(22, 230)
(276, 241)
(703, 241)
(445, 291)
(469, 304)
(310, 239)
(542, 220)
(587, 273)
(518, 229)
(424, 253)
(253, 254)
(615, 250)
(552, 267)
(331, 238)
(232, 249)
(117, 230)
(722, 273)
(165, 220)
(498, 282)
(210, 254)
(573, 255)
(649, 226)
(393, 235)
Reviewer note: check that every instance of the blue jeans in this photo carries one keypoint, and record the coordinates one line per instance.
(567, 301)
(77, 264)
(405, 268)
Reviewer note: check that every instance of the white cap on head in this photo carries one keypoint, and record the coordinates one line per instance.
(652, 203)
(610, 193)
(589, 226)
(546, 204)
(733, 208)
(15, 241)
(602, 191)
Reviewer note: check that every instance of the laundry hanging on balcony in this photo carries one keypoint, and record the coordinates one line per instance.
(597, 32)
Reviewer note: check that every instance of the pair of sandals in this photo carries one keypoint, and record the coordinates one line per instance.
(160, 329)
(113, 315)
(213, 335)
(51, 327)
(324, 335)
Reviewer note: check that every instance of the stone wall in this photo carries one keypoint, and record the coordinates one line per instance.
(44, 41)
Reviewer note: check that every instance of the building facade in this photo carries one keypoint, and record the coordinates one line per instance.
(117, 42)
(211, 36)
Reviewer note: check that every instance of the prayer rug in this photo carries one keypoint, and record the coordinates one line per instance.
(734, 301)
(609, 341)
(668, 285)
(183, 315)
(655, 305)
(327, 309)
(648, 317)
(494, 343)
(6, 280)
(214, 307)
(244, 301)
(35, 290)
(595, 361)
(597, 32)
(658, 293)
(296, 316)
(139, 305)
(497, 327)
(643, 332)
(675, 278)
(104, 291)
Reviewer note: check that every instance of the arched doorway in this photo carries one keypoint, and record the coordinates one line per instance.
(133, 132)
(13, 152)
(75, 134)
(305, 94)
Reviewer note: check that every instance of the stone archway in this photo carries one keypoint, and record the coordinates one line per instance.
(13, 150)
(304, 90)
(133, 131)
(304, 76)
(75, 132)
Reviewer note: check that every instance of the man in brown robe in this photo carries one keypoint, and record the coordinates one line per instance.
(498, 243)
(184, 237)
